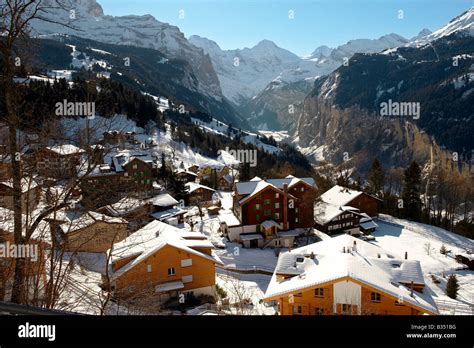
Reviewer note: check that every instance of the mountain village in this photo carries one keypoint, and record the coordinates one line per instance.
(149, 203)
(262, 246)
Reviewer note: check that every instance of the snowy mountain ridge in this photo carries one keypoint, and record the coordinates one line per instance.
(88, 21)
(243, 73)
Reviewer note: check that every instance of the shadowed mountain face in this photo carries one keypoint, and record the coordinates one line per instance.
(395, 105)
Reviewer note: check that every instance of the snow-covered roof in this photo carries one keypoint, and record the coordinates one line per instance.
(185, 171)
(124, 206)
(228, 217)
(42, 232)
(26, 184)
(121, 158)
(339, 195)
(248, 187)
(191, 186)
(151, 238)
(75, 220)
(169, 213)
(269, 224)
(164, 200)
(363, 262)
(67, 149)
(325, 212)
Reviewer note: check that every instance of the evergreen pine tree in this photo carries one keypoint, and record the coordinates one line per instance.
(163, 171)
(411, 192)
(375, 178)
(452, 287)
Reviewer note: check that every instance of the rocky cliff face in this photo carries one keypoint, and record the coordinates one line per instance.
(353, 133)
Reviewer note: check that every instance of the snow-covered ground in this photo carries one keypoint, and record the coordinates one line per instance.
(423, 242)
(246, 286)
(218, 127)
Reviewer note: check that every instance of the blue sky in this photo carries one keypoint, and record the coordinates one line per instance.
(243, 23)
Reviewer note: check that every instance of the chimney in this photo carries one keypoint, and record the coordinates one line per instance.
(378, 256)
(411, 291)
(343, 250)
(355, 246)
(311, 256)
(285, 206)
(406, 255)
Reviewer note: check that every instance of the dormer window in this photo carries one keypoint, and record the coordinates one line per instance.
(396, 265)
(300, 259)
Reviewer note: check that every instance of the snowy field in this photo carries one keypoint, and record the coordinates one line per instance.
(423, 242)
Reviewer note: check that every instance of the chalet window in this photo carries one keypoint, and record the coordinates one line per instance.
(277, 242)
(266, 201)
(277, 205)
(258, 206)
(277, 195)
(296, 210)
(375, 297)
(135, 166)
(148, 268)
(186, 262)
(171, 271)
(257, 217)
(297, 310)
(297, 220)
(267, 212)
(302, 189)
(277, 216)
(319, 292)
(318, 311)
(126, 174)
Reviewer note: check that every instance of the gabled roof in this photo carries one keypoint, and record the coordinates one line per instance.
(247, 187)
(362, 262)
(164, 200)
(124, 206)
(153, 237)
(75, 220)
(185, 171)
(191, 186)
(339, 195)
(65, 150)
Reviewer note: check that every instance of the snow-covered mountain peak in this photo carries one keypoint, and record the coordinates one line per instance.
(424, 32)
(462, 23)
(319, 53)
(143, 31)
